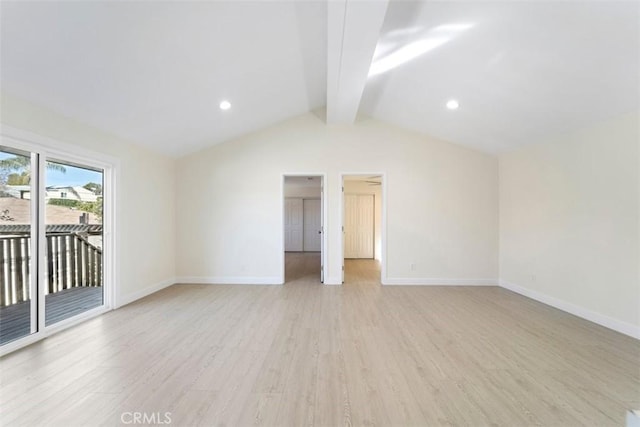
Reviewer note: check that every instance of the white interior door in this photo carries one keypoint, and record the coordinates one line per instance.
(312, 219)
(359, 225)
(293, 214)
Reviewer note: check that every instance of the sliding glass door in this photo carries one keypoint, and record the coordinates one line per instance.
(73, 219)
(18, 308)
(52, 246)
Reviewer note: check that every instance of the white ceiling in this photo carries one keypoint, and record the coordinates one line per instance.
(520, 70)
(155, 72)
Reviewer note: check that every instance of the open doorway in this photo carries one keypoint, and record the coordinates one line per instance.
(303, 226)
(362, 228)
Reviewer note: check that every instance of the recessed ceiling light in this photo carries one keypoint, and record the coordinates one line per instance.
(225, 105)
(452, 104)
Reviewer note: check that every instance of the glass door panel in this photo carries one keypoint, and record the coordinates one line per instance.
(18, 305)
(73, 221)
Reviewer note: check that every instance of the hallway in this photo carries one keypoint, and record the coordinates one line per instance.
(304, 267)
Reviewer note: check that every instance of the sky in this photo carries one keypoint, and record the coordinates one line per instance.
(73, 175)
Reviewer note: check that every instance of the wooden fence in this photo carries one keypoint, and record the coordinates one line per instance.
(72, 261)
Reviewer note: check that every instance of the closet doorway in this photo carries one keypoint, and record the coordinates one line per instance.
(363, 232)
(303, 223)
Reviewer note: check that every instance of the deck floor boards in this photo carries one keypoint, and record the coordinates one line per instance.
(15, 319)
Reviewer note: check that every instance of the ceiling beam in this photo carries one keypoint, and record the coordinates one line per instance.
(353, 32)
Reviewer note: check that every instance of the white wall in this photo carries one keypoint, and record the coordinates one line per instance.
(569, 215)
(361, 187)
(442, 202)
(146, 207)
(569, 222)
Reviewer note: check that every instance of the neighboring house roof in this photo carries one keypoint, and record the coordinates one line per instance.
(73, 192)
(53, 192)
(19, 212)
(15, 190)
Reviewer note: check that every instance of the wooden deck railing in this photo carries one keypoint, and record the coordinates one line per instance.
(72, 261)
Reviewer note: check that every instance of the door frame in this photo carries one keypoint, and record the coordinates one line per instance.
(52, 148)
(323, 222)
(383, 220)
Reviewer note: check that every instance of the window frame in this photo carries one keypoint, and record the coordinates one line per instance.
(44, 148)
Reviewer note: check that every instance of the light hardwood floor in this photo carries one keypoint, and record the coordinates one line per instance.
(307, 354)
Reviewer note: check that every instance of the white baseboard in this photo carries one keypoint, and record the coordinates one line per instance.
(332, 281)
(229, 280)
(127, 299)
(592, 316)
(438, 282)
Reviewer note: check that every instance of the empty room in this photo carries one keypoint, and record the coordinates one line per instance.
(342, 212)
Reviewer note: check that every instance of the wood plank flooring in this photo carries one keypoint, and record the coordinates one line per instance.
(307, 354)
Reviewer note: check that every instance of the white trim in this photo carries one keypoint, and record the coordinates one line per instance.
(19, 343)
(47, 148)
(383, 229)
(30, 141)
(229, 280)
(41, 239)
(592, 316)
(406, 281)
(332, 281)
(128, 299)
(110, 272)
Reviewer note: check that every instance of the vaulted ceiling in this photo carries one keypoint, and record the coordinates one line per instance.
(156, 72)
